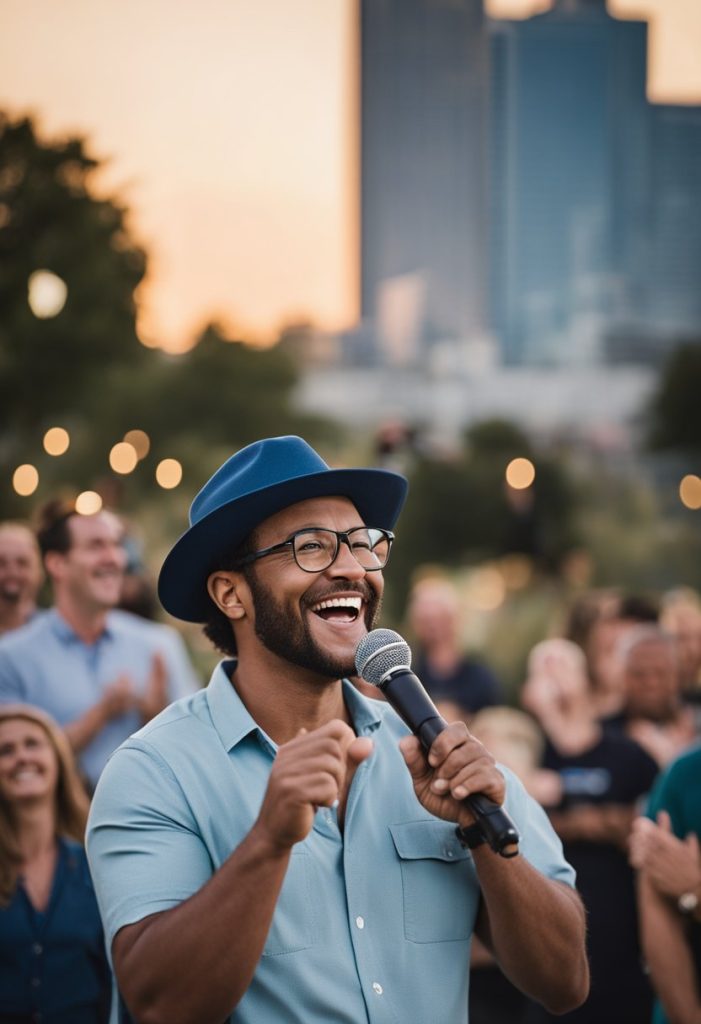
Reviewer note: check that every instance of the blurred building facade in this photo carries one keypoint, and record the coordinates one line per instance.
(424, 95)
(517, 184)
(531, 223)
(595, 212)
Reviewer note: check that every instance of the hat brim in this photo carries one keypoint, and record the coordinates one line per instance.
(377, 494)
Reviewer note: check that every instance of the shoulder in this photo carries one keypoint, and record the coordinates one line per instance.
(684, 770)
(24, 639)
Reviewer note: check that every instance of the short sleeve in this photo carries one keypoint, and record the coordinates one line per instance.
(539, 844)
(144, 852)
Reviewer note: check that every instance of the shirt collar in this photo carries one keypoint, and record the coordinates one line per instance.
(66, 634)
(233, 721)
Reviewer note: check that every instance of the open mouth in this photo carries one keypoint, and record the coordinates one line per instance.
(338, 609)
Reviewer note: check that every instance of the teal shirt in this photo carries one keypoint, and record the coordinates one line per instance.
(678, 791)
(372, 924)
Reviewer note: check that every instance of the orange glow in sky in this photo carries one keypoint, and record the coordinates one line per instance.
(229, 127)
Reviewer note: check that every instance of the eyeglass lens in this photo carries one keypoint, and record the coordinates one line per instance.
(315, 550)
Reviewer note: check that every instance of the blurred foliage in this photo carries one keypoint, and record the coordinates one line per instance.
(674, 417)
(84, 369)
(461, 511)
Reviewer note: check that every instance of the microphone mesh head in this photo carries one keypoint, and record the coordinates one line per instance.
(379, 652)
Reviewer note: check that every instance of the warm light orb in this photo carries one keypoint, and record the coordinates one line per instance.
(25, 479)
(56, 441)
(123, 458)
(690, 491)
(46, 294)
(88, 503)
(140, 441)
(520, 473)
(169, 473)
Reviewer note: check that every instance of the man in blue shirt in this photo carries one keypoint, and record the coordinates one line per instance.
(99, 672)
(278, 847)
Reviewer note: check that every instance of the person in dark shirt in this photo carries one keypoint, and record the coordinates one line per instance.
(459, 684)
(53, 966)
(603, 776)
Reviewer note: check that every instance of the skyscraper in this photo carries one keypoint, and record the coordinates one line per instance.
(424, 81)
(596, 194)
(570, 180)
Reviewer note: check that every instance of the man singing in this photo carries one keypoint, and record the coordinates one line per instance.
(278, 848)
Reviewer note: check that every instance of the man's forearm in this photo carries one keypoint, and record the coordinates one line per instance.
(536, 928)
(668, 955)
(193, 964)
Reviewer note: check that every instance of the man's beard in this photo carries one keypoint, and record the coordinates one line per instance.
(291, 639)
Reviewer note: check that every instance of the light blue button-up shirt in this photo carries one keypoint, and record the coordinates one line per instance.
(372, 924)
(46, 664)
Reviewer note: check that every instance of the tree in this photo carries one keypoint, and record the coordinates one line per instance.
(51, 367)
(84, 367)
(461, 511)
(674, 420)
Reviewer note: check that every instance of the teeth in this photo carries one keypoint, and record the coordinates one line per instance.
(339, 602)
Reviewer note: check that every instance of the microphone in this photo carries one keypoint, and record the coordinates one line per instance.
(383, 658)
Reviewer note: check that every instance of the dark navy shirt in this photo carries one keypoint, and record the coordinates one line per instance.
(53, 967)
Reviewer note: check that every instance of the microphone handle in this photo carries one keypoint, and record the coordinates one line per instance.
(497, 828)
(495, 824)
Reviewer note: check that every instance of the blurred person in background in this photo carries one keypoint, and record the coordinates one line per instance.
(654, 713)
(460, 684)
(516, 740)
(53, 966)
(664, 848)
(681, 619)
(21, 576)
(100, 673)
(602, 778)
(597, 621)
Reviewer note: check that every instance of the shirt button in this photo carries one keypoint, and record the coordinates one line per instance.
(377, 988)
(37, 949)
(36, 982)
(360, 921)
(449, 854)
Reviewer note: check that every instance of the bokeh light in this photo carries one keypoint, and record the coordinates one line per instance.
(140, 441)
(46, 294)
(56, 441)
(169, 473)
(690, 491)
(25, 479)
(123, 457)
(520, 473)
(88, 503)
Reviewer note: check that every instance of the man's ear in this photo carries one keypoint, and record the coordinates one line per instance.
(53, 563)
(226, 590)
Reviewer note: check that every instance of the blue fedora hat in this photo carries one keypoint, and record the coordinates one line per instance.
(252, 485)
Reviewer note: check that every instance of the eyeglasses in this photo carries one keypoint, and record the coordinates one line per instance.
(316, 548)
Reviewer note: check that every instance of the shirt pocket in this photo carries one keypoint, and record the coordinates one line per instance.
(439, 885)
(294, 922)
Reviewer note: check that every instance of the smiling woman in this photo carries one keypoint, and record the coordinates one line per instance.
(52, 959)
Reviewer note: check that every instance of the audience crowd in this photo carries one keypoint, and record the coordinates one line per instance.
(604, 737)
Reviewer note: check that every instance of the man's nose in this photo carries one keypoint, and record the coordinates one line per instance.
(345, 563)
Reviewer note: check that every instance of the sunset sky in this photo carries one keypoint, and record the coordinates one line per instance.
(230, 131)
